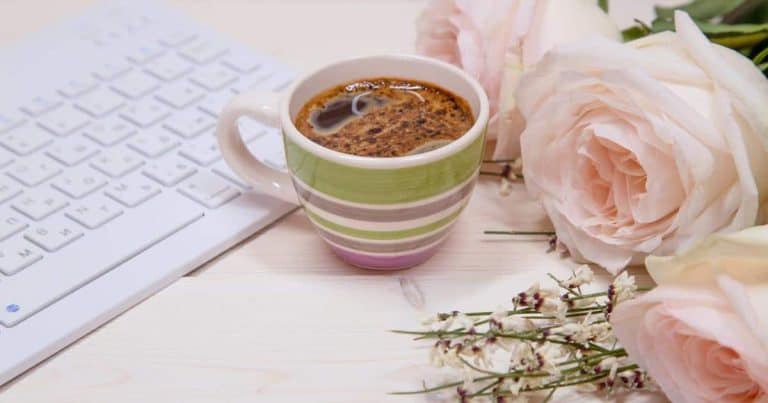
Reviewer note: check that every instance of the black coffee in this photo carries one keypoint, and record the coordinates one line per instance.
(385, 117)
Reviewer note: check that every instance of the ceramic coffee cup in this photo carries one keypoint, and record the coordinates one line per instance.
(374, 212)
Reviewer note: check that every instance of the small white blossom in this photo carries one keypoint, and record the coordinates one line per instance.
(611, 364)
(505, 188)
(624, 287)
(467, 377)
(582, 276)
(553, 306)
(463, 321)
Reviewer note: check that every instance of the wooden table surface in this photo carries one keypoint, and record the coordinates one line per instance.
(278, 318)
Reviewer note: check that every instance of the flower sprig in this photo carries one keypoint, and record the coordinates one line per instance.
(544, 340)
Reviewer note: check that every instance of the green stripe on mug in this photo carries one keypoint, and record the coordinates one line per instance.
(384, 186)
(383, 235)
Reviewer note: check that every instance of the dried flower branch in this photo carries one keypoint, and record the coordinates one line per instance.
(546, 340)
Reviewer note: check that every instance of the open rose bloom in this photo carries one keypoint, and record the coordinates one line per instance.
(703, 333)
(495, 41)
(645, 147)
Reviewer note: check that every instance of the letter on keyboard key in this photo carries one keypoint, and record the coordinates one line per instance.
(168, 68)
(110, 132)
(117, 162)
(126, 238)
(8, 190)
(79, 183)
(94, 214)
(26, 141)
(10, 225)
(203, 151)
(135, 84)
(145, 114)
(39, 105)
(109, 71)
(38, 204)
(214, 78)
(52, 238)
(132, 193)
(145, 53)
(100, 102)
(189, 124)
(64, 121)
(72, 151)
(154, 142)
(202, 52)
(169, 172)
(75, 88)
(17, 256)
(10, 121)
(179, 95)
(34, 170)
(208, 190)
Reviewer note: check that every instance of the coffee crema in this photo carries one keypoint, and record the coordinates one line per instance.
(385, 117)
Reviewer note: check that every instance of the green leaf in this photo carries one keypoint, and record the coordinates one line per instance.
(761, 57)
(635, 32)
(734, 36)
(749, 12)
(603, 4)
(701, 9)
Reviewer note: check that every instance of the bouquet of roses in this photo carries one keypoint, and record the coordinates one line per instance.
(652, 141)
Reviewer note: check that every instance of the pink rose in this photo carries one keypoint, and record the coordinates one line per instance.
(491, 39)
(703, 333)
(645, 147)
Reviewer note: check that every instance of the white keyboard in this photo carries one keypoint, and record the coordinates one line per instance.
(111, 182)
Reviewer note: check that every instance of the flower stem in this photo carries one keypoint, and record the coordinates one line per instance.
(492, 232)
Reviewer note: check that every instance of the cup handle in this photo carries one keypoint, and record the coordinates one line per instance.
(262, 106)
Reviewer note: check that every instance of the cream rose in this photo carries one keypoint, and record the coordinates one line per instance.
(485, 36)
(645, 147)
(703, 333)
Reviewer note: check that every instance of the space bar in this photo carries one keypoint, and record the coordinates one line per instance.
(93, 255)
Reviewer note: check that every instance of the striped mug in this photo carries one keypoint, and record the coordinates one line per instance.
(374, 212)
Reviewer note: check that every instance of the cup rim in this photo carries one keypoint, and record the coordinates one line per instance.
(387, 162)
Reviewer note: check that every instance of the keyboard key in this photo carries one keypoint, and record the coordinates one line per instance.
(168, 68)
(135, 84)
(38, 204)
(34, 170)
(39, 105)
(64, 121)
(213, 104)
(72, 151)
(26, 141)
(100, 103)
(145, 53)
(203, 151)
(77, 264)
(169, 172)
(189, 124)
(10, 121)
(214, 78)
(242, 62)
(94, 213)
(202, 52)
(8, 190)
(154, 143)
(52, 238)
(5, 158)
(252, 83)
(179, 95)
(78, 183)
(75, 88)
(277, 82)
(208, 190)
(117, 162)
(110, 132)
(10, 225)
(110, 71)
(132, 193)
(17, 256)
(250, 129)
(145, 114)
(222, 169)
(176, 38)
